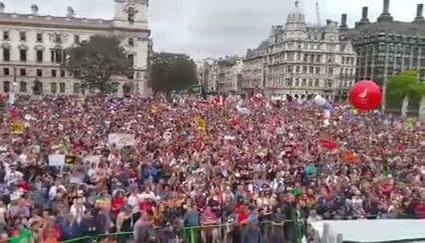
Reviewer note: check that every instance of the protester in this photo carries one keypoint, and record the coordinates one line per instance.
(244, 170)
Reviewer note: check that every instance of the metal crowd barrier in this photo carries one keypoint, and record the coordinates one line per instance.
(288, 231)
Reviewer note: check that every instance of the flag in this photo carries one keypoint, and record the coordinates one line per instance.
(328, 144)
(17, 127)
(202, 125)
(349, 157)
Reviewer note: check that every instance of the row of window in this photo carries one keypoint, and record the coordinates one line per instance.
(307, 58)
(39, 72)
(57, 37)
(56, 55)
(302, 69)
(23, 87)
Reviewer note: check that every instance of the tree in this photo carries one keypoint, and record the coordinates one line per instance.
(172, 72)
(95, 62)
(402, 85)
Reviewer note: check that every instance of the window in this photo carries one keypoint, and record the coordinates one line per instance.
(62, 87)
(304, 69)
(39, 56)
(23, 72)
(37, 88)
(317, 71)
(39, 73)
(316, 83)
(329, 83)
(319, 58)
(298, 69)
(76, 39)
(131, 59)
(310, 82)
(6, 35)
(297, 82)
(304, 82)
(62, 73)
(6, 71)
(56, 55)
(131, 41)
(311, 69)
(6, 55)
(23, 36)
(76, 88)
(289, 82)
(131, 13)
(23, 87)
(6, 86)
(54, 72)
(58, 38)
(23, 55)
(54, 88)
(39, 37)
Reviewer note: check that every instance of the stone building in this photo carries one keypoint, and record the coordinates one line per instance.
(302, 60)
(387, 47)
(223, 75)
(32, 48)
(254, 68)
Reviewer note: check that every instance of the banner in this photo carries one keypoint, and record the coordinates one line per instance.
(57, 160)
(121, 139)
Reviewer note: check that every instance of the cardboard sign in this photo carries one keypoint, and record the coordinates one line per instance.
(121, 140)
(57, 160)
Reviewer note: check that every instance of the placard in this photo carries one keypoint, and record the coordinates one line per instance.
(57, 160)
(121, 139)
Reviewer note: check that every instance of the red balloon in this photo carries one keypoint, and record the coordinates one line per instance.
(366, 95)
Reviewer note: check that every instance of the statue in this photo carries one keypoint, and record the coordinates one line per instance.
(405, 107)
(70, 12)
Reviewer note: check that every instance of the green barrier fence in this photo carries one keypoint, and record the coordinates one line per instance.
(290, 230)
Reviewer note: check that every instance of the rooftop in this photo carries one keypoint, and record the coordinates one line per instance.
(35, 20)
(393, 27)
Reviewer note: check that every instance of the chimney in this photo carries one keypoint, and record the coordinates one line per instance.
(419, 14)
(386, 6)
(34, 9)
(343, 21)
(364, 20)
(2, 7)
(386, 16)
(364, 12)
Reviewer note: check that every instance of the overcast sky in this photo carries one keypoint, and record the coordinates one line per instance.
(213, 28)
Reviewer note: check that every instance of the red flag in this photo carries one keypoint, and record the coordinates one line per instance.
(328, 144)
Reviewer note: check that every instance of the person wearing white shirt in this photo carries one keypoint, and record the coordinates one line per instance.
(13, 177)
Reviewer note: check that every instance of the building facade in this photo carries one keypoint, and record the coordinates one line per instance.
(387, 47)
(302, 60)
(32, 48)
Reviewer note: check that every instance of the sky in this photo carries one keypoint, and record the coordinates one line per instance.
(215, 28)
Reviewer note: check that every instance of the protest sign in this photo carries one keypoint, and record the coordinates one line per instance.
(17, 127)
(57, 160)
(202, 125)
(121, 139)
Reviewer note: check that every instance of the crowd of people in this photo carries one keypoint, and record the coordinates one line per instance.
(190, 169)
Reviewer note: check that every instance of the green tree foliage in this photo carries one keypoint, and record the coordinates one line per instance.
(172, 72)
(402, 85)
(95, 62)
